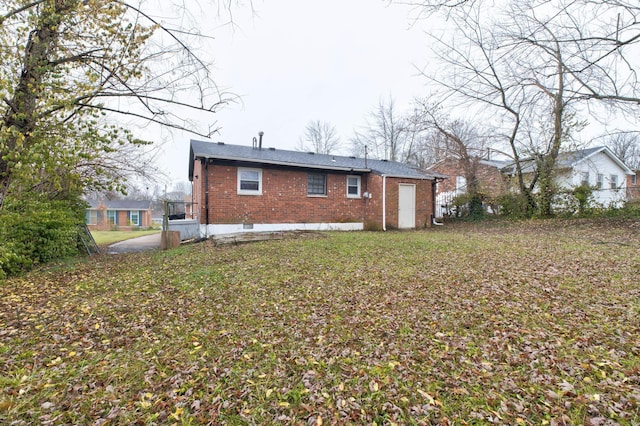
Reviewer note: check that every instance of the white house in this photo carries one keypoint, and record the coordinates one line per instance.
(600, 169)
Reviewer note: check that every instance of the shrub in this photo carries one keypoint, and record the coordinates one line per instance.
(37, 231)
(513, 205)
(469, 206)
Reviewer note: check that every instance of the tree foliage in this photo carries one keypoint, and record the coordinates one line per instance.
(74, 74)
(68, 68)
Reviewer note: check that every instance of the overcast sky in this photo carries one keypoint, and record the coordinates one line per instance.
(296, 61)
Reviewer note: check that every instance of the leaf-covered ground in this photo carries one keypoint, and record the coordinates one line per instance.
(529, 323)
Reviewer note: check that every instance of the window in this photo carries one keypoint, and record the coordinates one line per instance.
(112, 217)
(316, 184)
(249, 181)
(585, 178)
(134, 217)
(600, 181)
(633, 180)
(614, 181)
(353, 186)
(91, 217)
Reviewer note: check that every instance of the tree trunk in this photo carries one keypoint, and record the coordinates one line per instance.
(20, 119)
(547, 167)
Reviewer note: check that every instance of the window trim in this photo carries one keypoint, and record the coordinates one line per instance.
(249, 191)
(115, 217)
(91, 217)
(137, 221)
(317, 194)
(584, 178)
(358, 185)
(599, 181)
(614, 181)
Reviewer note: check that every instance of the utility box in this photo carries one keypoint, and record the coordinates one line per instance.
(169, 239)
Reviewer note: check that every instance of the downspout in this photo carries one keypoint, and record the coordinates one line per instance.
(433, 200)
(206, 192)
(384, 202)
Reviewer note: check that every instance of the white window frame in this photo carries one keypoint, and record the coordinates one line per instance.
(113, 213)
(249, 191)
(137, 215)
(584, 178)
(92, 217)
(634, 180)
(600, 181)
(614, 181)
(358, 186)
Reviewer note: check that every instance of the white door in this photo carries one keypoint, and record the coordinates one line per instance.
(406, 206)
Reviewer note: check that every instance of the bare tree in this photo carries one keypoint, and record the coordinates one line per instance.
(384, 134)
(461, 141)
(538, 65)
(320, 137)
(626, 146)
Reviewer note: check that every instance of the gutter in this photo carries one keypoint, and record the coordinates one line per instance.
(384, 202)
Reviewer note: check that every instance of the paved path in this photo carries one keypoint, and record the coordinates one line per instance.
(147, 242)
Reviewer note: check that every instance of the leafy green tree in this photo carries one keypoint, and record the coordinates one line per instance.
(67, 68)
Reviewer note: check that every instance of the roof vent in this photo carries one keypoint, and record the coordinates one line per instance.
(220, 143)
(353, 157)
(311, 152)
(385, 160)
(271, 148)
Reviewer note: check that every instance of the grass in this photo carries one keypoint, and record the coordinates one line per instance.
(110, 237)
(527, 323)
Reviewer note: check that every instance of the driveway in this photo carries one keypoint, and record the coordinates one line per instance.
(147, 242)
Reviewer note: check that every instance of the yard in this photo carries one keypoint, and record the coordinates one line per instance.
(525, 323)
(110, 237)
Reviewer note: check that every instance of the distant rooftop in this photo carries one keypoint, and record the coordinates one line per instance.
(119, 204)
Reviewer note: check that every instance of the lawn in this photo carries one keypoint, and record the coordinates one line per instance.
(110, 237)
(527, 323)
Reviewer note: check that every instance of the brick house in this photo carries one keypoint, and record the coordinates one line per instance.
(242, 188)
(491, 181)
(121, 214)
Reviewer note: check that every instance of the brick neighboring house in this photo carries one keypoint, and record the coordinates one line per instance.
(488, 172)
(241, 188)
(123, 214)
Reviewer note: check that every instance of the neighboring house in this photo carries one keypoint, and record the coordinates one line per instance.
(598, 167)
(633, 186)
(491, 182)
(242, 188)
(121, 214)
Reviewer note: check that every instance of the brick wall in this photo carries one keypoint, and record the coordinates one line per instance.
(284, 198)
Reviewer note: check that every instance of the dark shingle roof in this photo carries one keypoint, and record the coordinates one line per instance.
(119, 204)
(222, 151)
